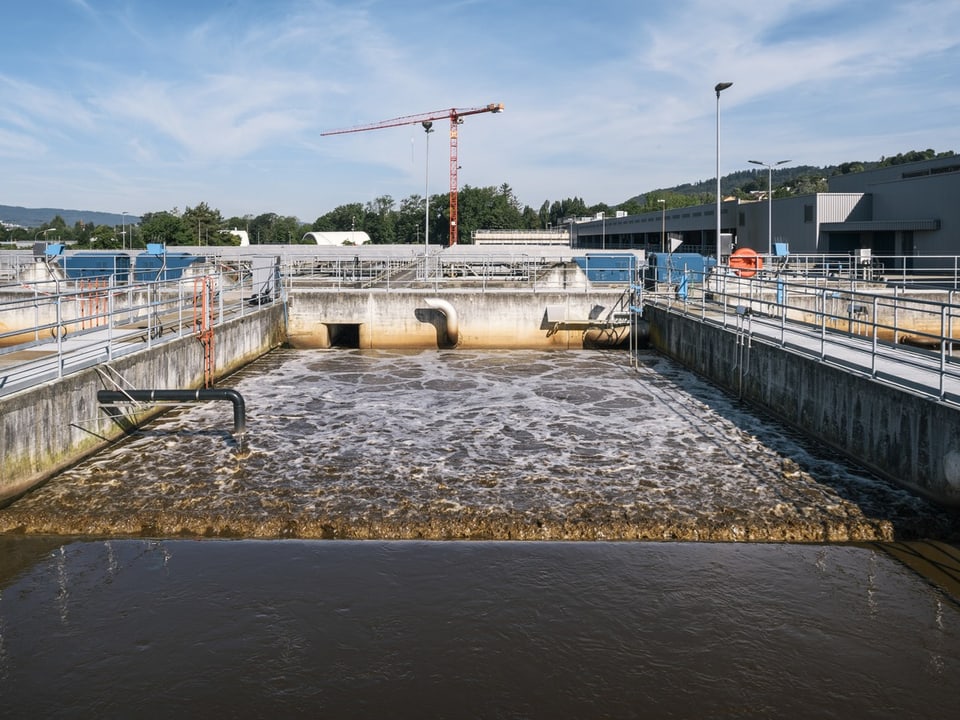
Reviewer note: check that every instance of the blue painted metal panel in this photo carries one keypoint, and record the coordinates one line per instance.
(609, 268)
(165, 266)
(673, 267)
(86, 266)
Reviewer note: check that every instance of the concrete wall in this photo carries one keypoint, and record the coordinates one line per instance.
(48, 428)
(911, 440)
(404, 319)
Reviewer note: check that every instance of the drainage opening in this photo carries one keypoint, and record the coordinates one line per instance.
(345, 335)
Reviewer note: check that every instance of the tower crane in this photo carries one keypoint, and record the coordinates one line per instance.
(456, 116)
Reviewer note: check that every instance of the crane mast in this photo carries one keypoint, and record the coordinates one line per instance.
(456, 116)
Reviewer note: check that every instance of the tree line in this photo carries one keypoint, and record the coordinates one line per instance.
(386, 221)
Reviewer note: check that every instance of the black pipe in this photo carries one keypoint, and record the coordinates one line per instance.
(107, 397)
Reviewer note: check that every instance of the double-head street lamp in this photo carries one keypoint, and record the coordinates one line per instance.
(719, 88)
(769, 168)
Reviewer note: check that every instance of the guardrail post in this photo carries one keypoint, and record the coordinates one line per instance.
(110, 321)
(943, 348)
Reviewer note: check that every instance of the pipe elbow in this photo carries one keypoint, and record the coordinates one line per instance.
(450, 313)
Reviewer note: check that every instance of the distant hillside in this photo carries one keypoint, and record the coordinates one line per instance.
(35, 217)
(800, 179)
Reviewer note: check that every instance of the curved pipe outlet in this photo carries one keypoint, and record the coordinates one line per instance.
(239, 407)
(450, 312)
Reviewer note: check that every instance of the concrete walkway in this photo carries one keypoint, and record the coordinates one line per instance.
(924, 371)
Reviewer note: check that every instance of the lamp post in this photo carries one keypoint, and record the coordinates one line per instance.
(427, 128)
(44, 233)
(603, 231)
(123, 230)
(719, 88)
(663, 225)
(769, 199)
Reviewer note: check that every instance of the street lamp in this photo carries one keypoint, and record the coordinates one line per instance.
(603, 231)
(44, 233)
(427, 128)
(719, 87)
(769, 199)
(123, 230)
(663, 225)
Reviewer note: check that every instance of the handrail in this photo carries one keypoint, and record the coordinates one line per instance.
(51, 335)
(879, 331)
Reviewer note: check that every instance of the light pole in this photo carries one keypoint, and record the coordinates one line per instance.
(719, 88)
(427, 128)
(123, 230)
(603, 231)
(663, 225)
(44, 233)
(769, 199)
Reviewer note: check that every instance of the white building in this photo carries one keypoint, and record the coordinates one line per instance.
(350, 237)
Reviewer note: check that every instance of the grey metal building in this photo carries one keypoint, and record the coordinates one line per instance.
(900, 210)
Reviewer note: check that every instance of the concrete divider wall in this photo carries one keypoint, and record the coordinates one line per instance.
(911, 440)
(48, 428)
(398, 319)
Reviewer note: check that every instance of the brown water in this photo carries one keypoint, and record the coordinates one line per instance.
(490, 446)
(375, 629)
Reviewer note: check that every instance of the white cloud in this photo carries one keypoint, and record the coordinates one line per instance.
(230, 100)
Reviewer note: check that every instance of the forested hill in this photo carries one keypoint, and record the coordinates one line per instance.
(800, 179)
(35, 217)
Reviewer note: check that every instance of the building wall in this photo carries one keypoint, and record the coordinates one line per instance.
(903, 210)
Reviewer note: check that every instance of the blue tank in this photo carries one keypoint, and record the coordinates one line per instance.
(162, 265)
(672, 267)
(97, 266)
(609, 268)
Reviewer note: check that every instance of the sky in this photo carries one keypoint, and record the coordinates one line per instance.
(148, 105)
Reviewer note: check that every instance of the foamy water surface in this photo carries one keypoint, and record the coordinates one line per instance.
(473, 445)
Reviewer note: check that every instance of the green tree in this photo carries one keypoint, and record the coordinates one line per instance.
(340, 219)
(409, 224)
(288, 230)
(203, 224)
(379, 220)
(530, 219)
(104, 237)
(544, 215)
(164, 227)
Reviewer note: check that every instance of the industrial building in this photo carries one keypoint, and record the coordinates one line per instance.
(908, 210)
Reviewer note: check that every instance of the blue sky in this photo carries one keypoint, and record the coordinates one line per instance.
(139, 106)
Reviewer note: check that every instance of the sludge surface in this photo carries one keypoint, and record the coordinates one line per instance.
(572, 445)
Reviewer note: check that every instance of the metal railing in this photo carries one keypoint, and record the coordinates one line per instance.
(51, 328)
(904, 270)
(901, 336)
(514, 270)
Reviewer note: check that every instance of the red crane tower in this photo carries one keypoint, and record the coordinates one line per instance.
(456, 118)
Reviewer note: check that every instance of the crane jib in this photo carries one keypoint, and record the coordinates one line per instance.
(454, 114)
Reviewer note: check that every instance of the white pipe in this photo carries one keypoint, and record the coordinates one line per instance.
(453, 321)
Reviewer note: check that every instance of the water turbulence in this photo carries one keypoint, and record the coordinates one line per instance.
(473, 445)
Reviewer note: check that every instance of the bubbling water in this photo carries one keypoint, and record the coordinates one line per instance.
(571, 445)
